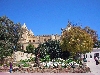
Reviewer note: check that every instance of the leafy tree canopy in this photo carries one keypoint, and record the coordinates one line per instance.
(97, 44)
(77, 40)
(30, 48)
(50, 47)
(10, 34)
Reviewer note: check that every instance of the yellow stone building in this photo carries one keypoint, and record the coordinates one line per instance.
(29, 37)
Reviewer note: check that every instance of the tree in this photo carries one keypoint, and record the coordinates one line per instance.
(50, 47)
(30, 48)
(10, 34)
(76, 40)
(97, 44)
(93, 33)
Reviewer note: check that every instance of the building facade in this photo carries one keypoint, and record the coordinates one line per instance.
(93, 54)
(28, 37)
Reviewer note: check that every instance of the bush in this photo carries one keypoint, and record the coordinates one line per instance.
(69, 60)
(46, 58)
(26, 65)
(24, 62)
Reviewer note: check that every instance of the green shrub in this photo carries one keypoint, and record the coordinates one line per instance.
(46, 58)
(26, 65)
(69, 60)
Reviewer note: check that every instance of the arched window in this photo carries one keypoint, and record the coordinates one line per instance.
(44, 39)
(33, 40)
(29, 40)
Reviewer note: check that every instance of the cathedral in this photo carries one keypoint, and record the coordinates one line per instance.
(28, 37)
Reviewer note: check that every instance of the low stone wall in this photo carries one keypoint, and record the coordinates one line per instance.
(52, 70)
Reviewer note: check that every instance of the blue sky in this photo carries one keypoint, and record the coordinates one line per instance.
(49, 16)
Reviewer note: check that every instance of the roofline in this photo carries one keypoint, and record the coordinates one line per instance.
(96, 48)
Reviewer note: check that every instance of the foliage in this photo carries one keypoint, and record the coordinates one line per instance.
(26, 65)
(51, 48)
(69, 60)
(10, 34)
(46, 58)
(30, 48)
(25, 62)
(76, 40)
(97, 44)
(92, 33)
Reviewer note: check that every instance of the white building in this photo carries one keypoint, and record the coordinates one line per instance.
(93, 54)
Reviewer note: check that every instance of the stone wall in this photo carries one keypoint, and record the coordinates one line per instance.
(22, 56)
